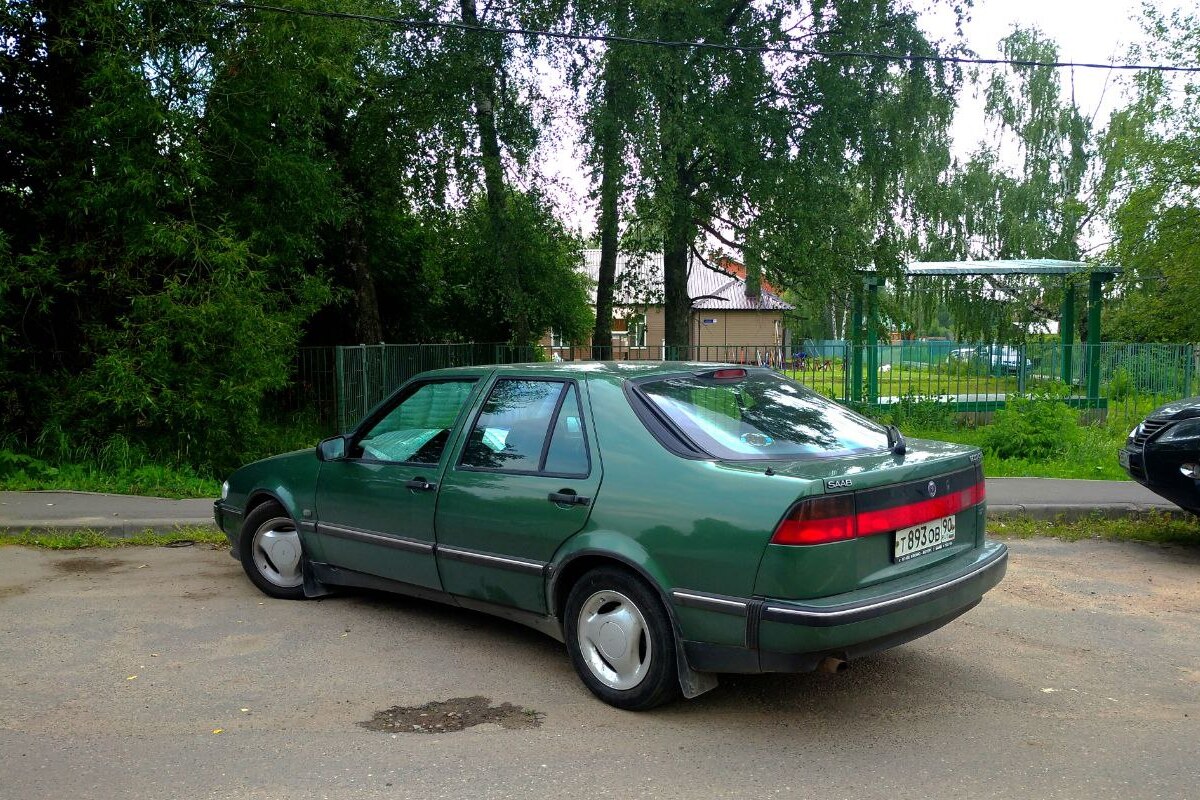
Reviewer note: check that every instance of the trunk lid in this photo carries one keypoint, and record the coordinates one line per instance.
(932, 481)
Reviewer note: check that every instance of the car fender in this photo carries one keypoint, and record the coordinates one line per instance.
(298, 506)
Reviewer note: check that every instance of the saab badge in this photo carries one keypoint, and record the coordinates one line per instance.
(839, 483)
(931, 489)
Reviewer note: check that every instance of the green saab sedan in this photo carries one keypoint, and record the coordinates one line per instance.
(667, 521)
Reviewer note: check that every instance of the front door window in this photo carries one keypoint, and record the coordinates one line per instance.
(416, 430)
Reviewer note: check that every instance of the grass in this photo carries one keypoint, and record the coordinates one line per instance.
(151, 479)
(119, 466)
(904, 379)
(1153, 527)
(81, 540)
(1093, 457)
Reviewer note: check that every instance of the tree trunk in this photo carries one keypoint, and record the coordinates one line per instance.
(368, 327)
(612, 170)
(484, 86)
(677, 305)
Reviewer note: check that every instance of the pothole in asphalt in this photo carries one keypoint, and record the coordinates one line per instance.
(88, 564)
(452, 715)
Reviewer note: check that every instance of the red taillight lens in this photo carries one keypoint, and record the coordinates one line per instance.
(728, 374)
(890, 519)
(832, 518)
(817, 521)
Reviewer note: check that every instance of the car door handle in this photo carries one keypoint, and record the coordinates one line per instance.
(420, 484)
(569, 498)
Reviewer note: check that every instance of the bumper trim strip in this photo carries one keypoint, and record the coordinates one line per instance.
(710, 602)
(858, 612)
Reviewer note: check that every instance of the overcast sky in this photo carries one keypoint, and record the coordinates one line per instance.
(1085, 30)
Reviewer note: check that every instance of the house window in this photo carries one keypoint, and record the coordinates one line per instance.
(637, 330)
(557, 340)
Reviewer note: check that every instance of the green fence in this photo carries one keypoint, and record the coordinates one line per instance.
(366, 374)
(970, 377)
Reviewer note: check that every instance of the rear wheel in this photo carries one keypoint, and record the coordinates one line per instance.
(620, 639)
(271, 552)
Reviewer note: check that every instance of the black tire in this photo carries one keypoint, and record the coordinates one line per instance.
(266, 517)
(660, 682)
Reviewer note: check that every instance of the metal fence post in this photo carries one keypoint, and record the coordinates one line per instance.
(339, 408)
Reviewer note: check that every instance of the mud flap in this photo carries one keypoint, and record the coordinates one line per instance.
(692, 683)
(312, 586)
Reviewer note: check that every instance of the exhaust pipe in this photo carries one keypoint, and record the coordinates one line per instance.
(833, 665)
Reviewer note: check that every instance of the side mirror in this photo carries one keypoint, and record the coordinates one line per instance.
(332, 449)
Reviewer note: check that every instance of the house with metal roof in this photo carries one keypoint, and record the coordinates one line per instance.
(730, 320)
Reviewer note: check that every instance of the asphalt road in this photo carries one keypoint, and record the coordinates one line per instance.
(1079, 677)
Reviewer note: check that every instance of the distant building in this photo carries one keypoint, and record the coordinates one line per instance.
(728, 321)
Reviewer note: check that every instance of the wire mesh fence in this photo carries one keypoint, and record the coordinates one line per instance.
(968, 377)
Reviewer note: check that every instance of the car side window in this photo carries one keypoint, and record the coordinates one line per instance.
(510, 434)
(417, 429)
(567, 454)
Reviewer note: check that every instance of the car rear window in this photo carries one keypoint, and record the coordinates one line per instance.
(760, 416)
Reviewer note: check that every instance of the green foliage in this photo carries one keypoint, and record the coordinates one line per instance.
(22, 472)
(1120, 385)
(913, 412)
(1032, 427)
(491, 299)
(189, 365)
(1152, 191)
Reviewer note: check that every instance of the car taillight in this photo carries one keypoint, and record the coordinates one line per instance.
(817, 521)
(890, 519)
(832, 518)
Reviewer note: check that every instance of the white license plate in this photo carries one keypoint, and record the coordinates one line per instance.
(924, 538)
(1123, 458)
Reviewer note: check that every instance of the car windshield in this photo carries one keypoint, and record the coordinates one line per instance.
(761, 416)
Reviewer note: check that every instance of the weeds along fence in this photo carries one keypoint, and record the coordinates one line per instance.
(344, 383)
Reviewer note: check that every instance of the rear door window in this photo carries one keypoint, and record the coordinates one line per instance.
(760, 416)
(529, 426)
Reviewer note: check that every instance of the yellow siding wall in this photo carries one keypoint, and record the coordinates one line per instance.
(731, 328)
(736, 328)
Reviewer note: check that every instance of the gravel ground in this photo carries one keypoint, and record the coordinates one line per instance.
(159, 673)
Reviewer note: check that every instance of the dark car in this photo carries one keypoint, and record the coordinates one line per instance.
(666, 521)
(1163, 453)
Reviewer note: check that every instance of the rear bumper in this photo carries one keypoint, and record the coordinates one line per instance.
(786, 636)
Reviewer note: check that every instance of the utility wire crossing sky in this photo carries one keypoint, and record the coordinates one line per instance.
(412, 23)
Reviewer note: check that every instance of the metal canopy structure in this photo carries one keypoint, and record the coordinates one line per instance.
(1097, 275)
(1016, 266)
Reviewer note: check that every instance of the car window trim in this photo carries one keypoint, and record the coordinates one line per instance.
(388, 406)
(462, 450)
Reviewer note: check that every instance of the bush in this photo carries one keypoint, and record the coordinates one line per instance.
(1036, 427)
(182, 380)
(1120, 385)
(913, 412)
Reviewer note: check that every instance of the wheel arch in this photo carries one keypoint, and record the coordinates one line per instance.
(612, 549)
(261, 496)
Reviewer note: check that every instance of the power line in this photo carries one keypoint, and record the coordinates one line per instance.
(910, 58)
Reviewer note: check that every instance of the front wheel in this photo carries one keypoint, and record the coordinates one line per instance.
(621, 641)
(271, 553)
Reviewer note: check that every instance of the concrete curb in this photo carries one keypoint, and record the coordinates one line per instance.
(1072, 512)
(118, 529)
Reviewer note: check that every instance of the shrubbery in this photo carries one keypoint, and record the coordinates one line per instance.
(1039, 426)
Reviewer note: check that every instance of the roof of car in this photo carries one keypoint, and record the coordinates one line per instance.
(614, 369)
